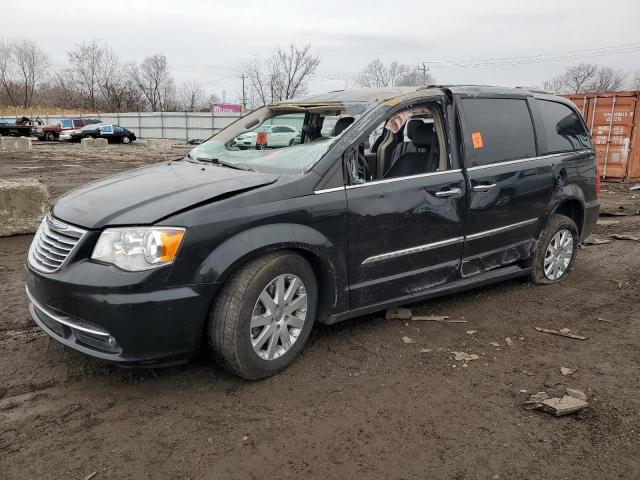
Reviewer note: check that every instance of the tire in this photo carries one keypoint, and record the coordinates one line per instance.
(126, 140)
(291, 142)
(231, 338)
(49, 137)
(557, 266)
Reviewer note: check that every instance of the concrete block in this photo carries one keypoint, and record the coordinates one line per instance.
(160, 145)
(23, 144)
(8, 144)
(87, 143)
(100, 142)
(23, 203)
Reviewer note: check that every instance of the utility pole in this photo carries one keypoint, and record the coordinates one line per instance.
(424, 70)
(244, 94)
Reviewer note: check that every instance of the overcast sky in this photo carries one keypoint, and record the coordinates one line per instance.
(207, 41)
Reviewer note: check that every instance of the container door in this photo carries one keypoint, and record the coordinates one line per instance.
(610, 119)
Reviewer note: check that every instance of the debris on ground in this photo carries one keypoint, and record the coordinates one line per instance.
(562, 333)
(508, 341)
(398, 314)
(567, 371)
(90, 476)
(596, 240)
(464, 356)
(436, 318)
(471, 332)
(495, 344)
(406, 314)
(635, 187)
(407, 340)
(426, 350)
(600, 319)
(607, 221)
(625, 236)
(557, 406)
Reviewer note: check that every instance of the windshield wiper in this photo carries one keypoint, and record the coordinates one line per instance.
(222, 163)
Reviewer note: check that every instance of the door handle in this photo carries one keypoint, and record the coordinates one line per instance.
(484, 187)
(449, 193)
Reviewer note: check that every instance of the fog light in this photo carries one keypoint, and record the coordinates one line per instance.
(112, 342)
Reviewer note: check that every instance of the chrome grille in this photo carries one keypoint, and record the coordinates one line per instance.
(52, 244)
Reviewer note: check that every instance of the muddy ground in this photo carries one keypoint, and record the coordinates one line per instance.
(359, 402)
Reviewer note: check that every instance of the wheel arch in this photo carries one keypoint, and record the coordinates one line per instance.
(307, 242)
(570, 202)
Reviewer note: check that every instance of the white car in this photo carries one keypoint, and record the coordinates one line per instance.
(277, 136)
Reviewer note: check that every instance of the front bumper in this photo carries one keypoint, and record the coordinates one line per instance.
(140, 323)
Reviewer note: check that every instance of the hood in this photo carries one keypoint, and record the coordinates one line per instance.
(145, 195)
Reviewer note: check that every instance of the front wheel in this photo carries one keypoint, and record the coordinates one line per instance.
(262, 318)
(126, 140)
(556, 250)
(49, 137)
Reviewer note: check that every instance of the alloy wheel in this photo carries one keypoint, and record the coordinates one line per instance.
(558, 255)
(278, 316)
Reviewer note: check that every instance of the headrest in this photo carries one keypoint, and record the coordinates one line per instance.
(341, 125)
(411, 127)
(424, 135)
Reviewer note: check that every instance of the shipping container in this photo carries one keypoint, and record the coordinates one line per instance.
(612, 119)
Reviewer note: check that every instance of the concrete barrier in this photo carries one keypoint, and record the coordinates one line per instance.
(87, 143)
(8, 144)
(100, 142)
(23, 144)
(160, 145)
(23, 203)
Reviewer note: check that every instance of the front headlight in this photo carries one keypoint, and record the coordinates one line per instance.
(138, 248)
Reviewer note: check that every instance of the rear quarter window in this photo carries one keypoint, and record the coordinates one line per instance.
(497, 130)
(562, 128)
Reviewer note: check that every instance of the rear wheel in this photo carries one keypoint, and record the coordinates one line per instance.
(50, 136)
(556, 250)
(262, 318)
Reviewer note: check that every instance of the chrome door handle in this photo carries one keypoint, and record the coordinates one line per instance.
(484, 187)
(449, 193)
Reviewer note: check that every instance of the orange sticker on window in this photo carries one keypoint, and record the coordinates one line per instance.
(261, 138)
(476, 138)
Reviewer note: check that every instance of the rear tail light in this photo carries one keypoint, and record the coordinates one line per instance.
(597, 177)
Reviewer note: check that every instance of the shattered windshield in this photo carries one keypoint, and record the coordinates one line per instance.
(286, 138)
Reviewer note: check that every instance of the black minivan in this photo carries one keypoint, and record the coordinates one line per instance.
(387, 197)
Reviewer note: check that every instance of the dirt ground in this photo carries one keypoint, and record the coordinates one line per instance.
(359, 402)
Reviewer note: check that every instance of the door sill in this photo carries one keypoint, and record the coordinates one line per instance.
(460, 285)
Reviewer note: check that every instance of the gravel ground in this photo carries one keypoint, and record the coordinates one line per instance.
(359, 402)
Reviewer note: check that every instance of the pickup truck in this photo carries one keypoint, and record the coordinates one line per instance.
(23, 127)
(52, 132)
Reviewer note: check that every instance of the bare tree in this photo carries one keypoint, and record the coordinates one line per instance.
(86, 60)
(7, 70)
(586, 77)
(117, 89)
(191, 97)
(281, 76)
(154, 79)
(416, 78)
(635, 80)
(31, 65)
(378, 75)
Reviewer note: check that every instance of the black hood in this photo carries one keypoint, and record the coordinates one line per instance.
(145, 195)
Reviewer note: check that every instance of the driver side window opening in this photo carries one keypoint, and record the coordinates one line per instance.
(407, 143)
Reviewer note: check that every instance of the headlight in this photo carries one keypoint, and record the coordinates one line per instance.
(138, 248)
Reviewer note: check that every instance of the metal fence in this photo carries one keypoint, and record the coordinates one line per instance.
(170, 125)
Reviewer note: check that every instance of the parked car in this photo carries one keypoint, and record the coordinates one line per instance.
(22, 127)
(113, 133)
(52, 132)
(417, 193)
(274, 136)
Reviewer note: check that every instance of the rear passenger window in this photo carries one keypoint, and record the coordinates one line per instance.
(498, 129)
(562, 128)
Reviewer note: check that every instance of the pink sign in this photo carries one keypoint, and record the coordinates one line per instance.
(226, 108)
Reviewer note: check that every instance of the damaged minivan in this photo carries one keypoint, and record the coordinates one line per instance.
(382, 198)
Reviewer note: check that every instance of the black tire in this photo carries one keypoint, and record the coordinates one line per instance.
(126, 140)
(556, 224)
(229, 331)
(49, 137)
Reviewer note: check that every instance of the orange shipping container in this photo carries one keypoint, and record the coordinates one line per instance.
(612, 119)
